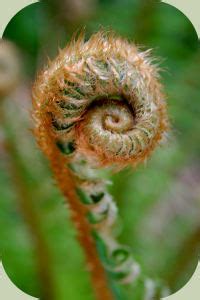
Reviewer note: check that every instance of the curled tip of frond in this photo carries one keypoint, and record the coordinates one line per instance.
(104, 96)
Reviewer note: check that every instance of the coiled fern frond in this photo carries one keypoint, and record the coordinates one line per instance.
(99, 103)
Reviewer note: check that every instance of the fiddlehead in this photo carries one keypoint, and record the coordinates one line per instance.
(98, 104)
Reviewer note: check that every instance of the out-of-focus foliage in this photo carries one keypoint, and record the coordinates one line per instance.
(10, 69)
(159, 203)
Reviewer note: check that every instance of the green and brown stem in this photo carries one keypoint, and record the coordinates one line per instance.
(66, 182)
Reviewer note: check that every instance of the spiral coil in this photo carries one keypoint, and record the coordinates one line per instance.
(104, 96)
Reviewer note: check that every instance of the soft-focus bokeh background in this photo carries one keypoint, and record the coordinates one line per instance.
(159, 203)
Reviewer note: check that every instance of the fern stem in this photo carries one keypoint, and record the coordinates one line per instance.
(66, 183)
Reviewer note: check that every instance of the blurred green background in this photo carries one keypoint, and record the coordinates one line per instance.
(159, 202)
